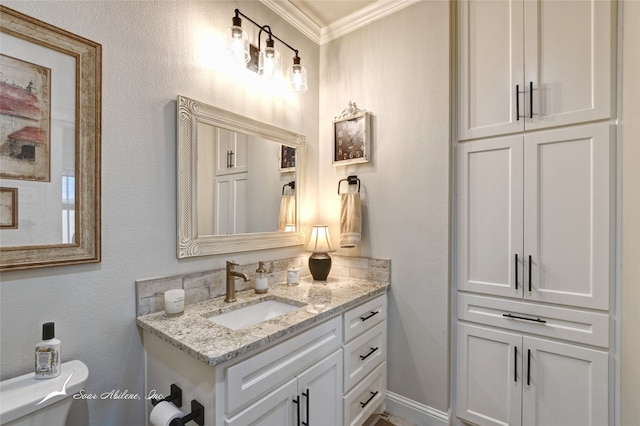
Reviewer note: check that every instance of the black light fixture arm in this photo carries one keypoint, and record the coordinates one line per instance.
(267, 29)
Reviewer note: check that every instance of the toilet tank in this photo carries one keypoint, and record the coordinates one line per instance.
(23, 399)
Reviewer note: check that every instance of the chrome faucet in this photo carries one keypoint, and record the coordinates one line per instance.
(231, 281)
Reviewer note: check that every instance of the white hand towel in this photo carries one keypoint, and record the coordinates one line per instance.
(287, 214)
(350, 220)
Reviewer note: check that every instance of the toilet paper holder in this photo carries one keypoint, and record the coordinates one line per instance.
(175, 397)
(196, 414)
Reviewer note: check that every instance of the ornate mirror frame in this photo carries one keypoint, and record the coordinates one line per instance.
(189, 244)
(86, 247)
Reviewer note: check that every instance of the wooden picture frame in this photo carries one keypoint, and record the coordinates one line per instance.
(24, 38)
(351, 137)
(8, 208)
(287, 158)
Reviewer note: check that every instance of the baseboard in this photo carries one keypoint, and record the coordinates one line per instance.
(415, 412)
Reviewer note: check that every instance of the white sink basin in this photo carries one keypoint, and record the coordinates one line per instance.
(247, 316)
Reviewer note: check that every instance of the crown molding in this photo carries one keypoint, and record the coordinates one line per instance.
(362, 17)
(352, 22)
(292, 15)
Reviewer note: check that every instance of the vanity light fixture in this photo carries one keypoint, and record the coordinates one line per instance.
(320, 245)
(239, 48)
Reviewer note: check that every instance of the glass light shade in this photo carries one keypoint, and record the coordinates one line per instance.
(320, 241)
(298, 77)
(269, 61)
(237, 42)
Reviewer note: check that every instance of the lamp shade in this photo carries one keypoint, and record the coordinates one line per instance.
(320, 241)
(237, 42)
(269, 61)
(298, 77)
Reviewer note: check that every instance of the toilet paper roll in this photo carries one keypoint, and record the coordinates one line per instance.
(163, 413)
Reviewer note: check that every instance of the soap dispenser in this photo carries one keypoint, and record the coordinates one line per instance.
(261, 285)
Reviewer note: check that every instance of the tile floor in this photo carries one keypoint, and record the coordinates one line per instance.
(378, 419)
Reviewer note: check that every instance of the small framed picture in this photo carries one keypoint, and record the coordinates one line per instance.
(351, 137)
(287, 158)
(8, 208)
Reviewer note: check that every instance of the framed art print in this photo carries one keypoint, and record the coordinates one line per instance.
(351, 137)
(287, 158)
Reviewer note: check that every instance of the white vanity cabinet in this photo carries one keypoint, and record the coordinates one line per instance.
(533, 64)
(365, 354)
(536, 214)
(507, 378)
(332, 373)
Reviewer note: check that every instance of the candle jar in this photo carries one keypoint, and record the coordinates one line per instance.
(293, 276)
(174, 302)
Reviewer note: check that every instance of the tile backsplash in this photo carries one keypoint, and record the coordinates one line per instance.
(200, 286)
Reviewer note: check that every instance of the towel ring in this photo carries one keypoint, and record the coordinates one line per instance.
(352, 180)
(291, 184)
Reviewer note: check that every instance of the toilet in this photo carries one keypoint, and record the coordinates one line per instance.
(25, 401)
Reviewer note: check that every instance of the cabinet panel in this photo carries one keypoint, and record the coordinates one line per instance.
(231, 206)
(490, 216)
(567, 215)
(566, 385)
(320, 391)
(491, 66)
(574, 325)
(364, 317)
(277, 408)
(363, 399)
(231, 151)
(255, 376)
(363, 354)
(569, 59)
(489, 376)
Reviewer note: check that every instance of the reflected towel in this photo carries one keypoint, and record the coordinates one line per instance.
(350, 220)
(287, 214)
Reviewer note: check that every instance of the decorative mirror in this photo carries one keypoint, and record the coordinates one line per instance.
(240, 182)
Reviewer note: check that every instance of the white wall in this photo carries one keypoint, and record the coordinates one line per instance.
(398, 69)
(153, 51)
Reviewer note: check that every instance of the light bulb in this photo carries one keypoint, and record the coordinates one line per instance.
(298, 77)
(269, 61)
(237, 42)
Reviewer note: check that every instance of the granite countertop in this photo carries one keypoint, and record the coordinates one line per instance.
(214, 344)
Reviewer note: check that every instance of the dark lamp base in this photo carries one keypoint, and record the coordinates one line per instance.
(319, 266)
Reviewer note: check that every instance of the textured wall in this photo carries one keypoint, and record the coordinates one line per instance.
(153, 51)
(398, 69)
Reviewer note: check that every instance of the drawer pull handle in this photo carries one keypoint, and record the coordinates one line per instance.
(516, 317)
(363, 357)
(370, 315)
(528, 367)
(531, 99)
(373, 395)
(517, 102)
(297, 402)
(515, 364)
(306, 395)
(529, 272)
(516, 271)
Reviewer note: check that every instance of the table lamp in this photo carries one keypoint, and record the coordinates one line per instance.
(320, 245)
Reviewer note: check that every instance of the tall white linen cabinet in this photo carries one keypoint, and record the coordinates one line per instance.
(535, 212)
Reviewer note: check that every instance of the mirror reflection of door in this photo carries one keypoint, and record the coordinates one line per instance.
(239, 182)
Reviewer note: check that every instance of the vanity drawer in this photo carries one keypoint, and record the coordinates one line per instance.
(363, 354)
(362, 401)
(255, 376)
(576, 325)
(364, 317)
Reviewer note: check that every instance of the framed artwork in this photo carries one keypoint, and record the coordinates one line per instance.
(351, 136)
(50, 146)
(8, 208)
(287, 158)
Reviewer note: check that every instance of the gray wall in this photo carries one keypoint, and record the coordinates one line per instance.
(398, 69)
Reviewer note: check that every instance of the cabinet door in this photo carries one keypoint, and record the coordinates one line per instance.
(490, 216)
(231, 151)
(230, 204)
(564, 385)
(489, 376)
(569, 61)
(320, 391)
(568, 216)
(490, 68)
(276, 408)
